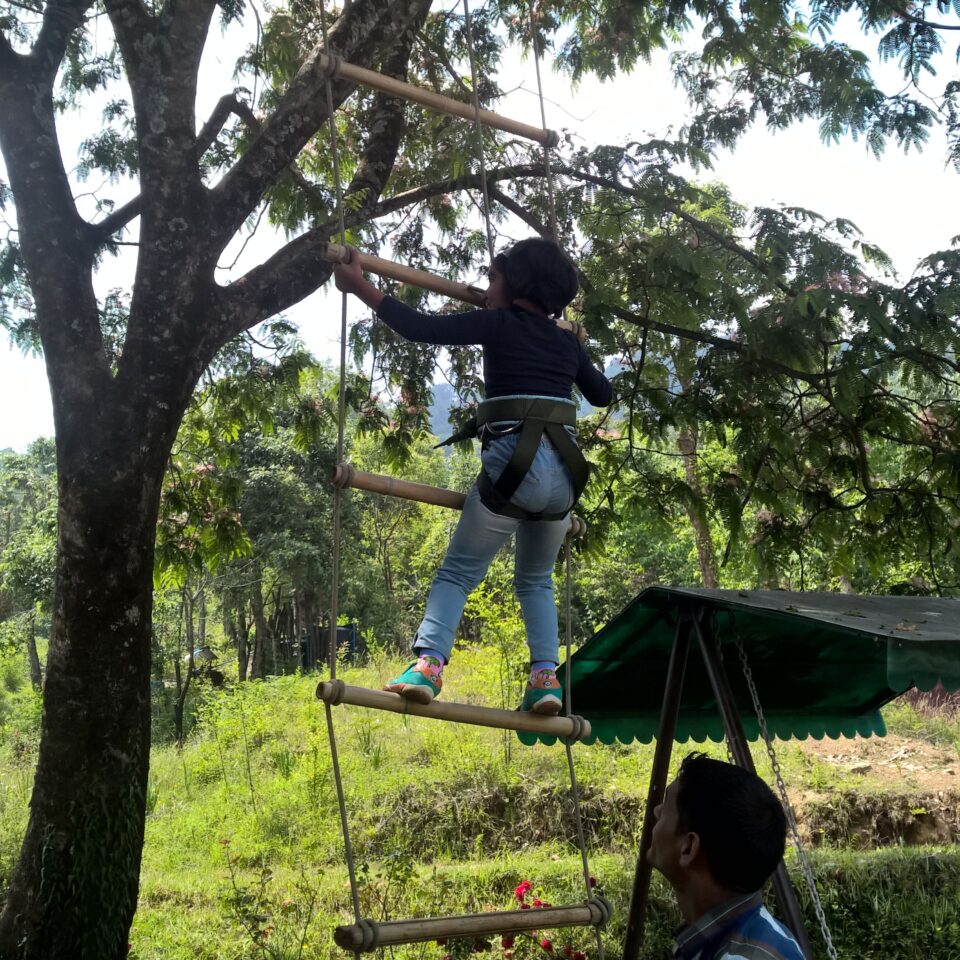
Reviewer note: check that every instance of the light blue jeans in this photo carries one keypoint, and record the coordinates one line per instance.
(481, 533)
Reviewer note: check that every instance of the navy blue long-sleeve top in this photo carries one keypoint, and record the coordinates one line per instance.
(523, 353)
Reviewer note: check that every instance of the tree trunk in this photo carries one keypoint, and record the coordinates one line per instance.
(687, 444)
(243, 645)
(73, 892)
(183, 686)
(74, 889)
(36, 671)
(258, 667)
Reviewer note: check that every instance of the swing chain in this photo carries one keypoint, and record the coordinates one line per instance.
(805, 866)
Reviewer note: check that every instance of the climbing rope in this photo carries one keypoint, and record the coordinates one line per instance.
(568, 687)
(787, 807)
(338, 503)
(478, 130)
(568, 743)
(548, 171)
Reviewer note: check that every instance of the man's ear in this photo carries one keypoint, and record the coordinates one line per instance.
(689, 848)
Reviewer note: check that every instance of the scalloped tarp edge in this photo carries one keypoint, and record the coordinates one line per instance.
(629, 729)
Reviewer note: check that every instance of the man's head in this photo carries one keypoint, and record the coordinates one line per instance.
(539, 271)
(720, 822)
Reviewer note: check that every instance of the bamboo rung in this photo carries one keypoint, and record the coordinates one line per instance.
(566, 727)
(369, 935)
(346, 475)
(337, 253)
(336, 67)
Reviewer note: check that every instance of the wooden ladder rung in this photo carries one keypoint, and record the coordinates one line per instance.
(337, 253)
(336, 691)
(369, 935)
(346, 475)
(335, 67)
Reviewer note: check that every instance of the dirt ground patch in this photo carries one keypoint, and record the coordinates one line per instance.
(882, 791)
(888, 762)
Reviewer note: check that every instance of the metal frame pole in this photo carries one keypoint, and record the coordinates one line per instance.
(740, 748)
(666, 731)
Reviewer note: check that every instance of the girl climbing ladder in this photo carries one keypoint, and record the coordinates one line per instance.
(532, 469)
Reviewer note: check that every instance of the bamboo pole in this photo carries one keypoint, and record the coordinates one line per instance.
(347, 475)
(336, 67)
(370, 935)
(574, 727)
(337, 253)
(666, 731)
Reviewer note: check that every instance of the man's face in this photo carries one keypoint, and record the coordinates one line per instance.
(669, 849)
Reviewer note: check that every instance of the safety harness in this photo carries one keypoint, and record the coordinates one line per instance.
(533, 417)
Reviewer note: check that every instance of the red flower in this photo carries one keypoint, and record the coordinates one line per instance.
(568, 950)
(546, 944)
(579, 955)
(507, 942)
(537, 902)
(522, 890)
(524, 906)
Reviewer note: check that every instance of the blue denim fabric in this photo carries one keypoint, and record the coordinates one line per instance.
(481, 533)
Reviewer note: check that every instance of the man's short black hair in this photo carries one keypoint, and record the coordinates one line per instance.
(537, 269)
(741, 824)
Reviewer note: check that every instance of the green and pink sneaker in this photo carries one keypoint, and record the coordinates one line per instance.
(543, 695)
(420, 682)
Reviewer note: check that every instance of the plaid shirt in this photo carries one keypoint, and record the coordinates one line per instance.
(740, 929)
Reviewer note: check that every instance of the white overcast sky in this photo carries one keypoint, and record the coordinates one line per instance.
(909, 205)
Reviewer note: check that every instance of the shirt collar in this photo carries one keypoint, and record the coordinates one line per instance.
(692, 937)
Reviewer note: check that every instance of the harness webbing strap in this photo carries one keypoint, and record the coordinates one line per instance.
(536, 416)
(520, 408)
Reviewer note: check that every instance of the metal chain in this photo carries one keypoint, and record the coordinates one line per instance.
(478, 129)
(788, 809)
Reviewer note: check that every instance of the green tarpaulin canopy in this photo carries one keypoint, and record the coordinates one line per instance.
(823, 663)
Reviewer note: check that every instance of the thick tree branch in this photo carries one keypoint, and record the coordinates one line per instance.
(296, 270)
(386, 126)
(290, 275)
(162, 54)
(468, 181)
(904, 15)
(8, 58)
(132, 22)
(60, 21)
(54, 239)
(366, 27)
(519, 211)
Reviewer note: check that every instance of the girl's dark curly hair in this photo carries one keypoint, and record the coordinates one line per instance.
(540, 271)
